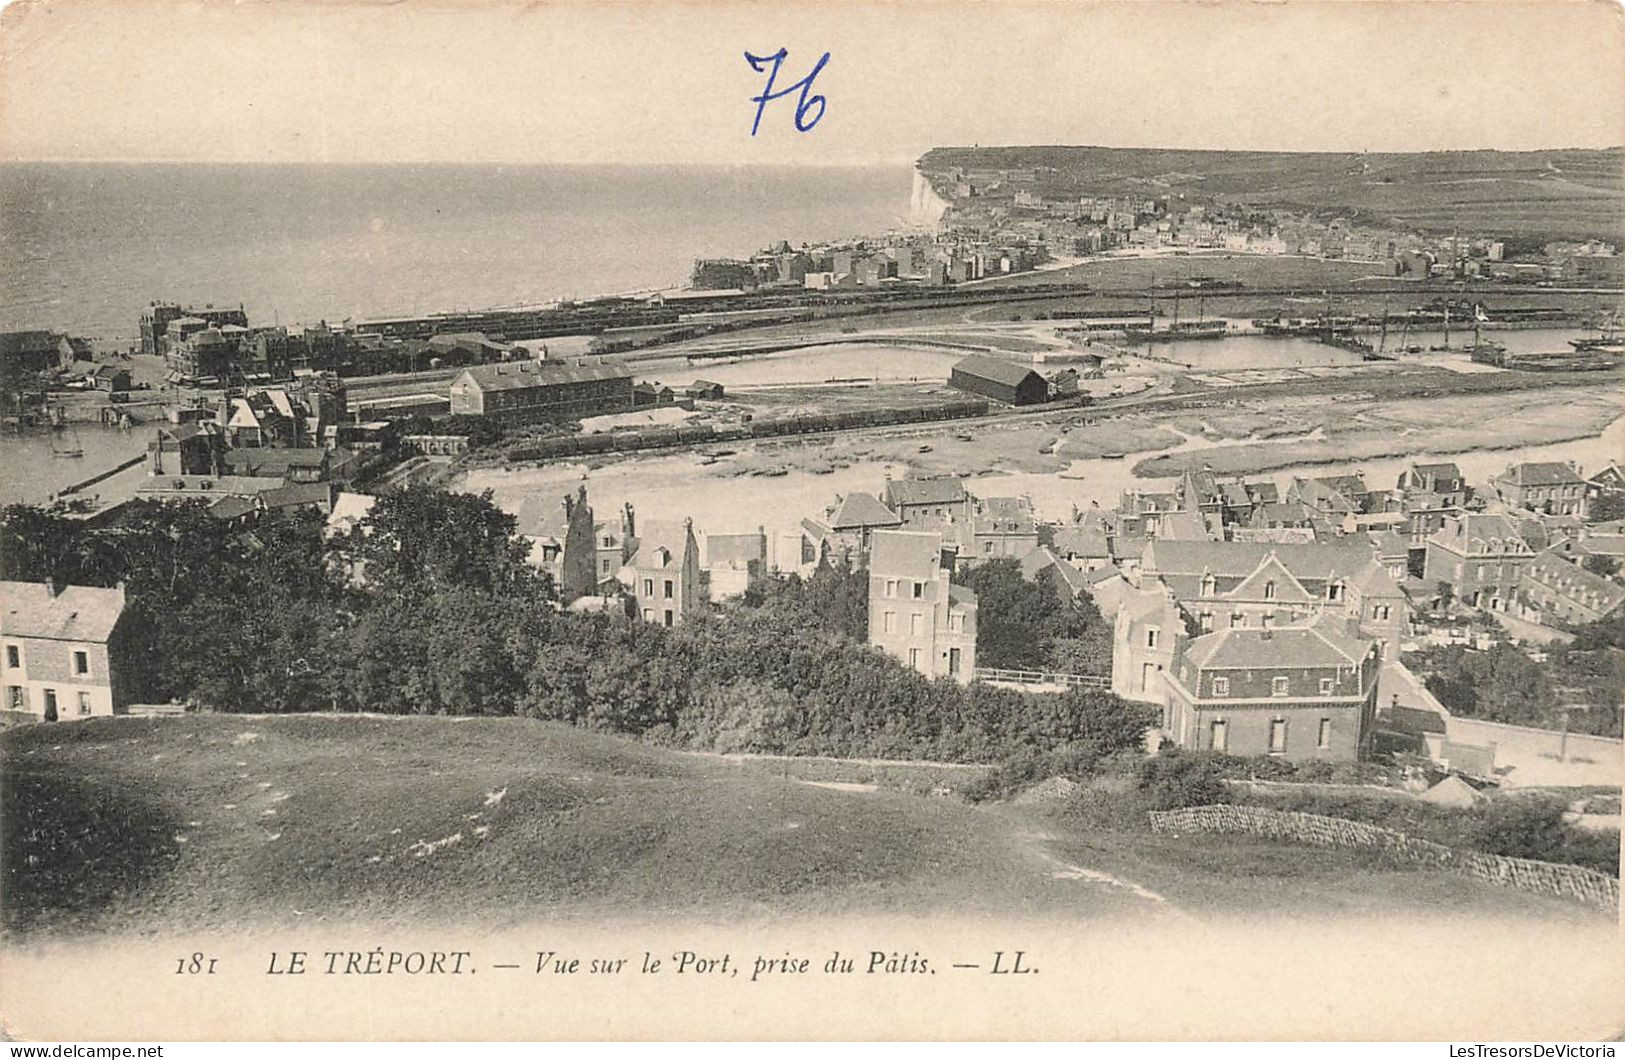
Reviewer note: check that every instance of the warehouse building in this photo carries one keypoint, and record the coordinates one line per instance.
(1000, 380)
(528, 391)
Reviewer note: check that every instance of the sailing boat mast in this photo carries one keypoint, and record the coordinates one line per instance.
(1382, 343)
(1447, 322)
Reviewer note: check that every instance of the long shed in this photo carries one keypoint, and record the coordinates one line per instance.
(1000, 380)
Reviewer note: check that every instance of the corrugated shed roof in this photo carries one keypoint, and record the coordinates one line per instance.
(999, 371)
(78, 612)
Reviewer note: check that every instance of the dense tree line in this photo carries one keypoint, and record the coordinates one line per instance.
(428, 606)
(1504, 684)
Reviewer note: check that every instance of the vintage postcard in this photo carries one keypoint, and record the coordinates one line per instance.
(912, 520)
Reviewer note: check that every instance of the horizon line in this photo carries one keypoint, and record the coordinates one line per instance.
(804, 164)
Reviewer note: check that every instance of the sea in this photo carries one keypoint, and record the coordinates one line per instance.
(84, 247)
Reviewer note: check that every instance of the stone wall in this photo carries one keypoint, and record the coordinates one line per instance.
(1540, 877)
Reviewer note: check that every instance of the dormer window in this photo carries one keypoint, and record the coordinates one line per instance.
(1209, 585)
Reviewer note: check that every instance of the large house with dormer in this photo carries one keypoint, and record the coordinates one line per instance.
(1301, 693)
(1480, 556)
(1241, 584)
(1542, 486)
(664, 573)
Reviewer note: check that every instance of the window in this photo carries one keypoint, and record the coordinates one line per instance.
(648, 587)
(1269, 590)
(50, 704)
(1380, 611)
(891, 586)
(1326, 686)
(1205, 620)
(648, 614)
(81, 663)
(953, 661)
(919, 590)
(1221, 686)
(84, 702)
(17, 698)
(916, 623)
(1237, 620)
(1278, 686)
(1325, 739)
(1278, 736)
(914, 658)
(1208, 585)
(670, 618)
(889, 623)
(1219, 735)
(1266, 621)
(668, 588)
(14, 656)
(1151, 637)
(956, 623)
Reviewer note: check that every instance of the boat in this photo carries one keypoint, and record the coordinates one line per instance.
(1113, 456)
(1609, 341)
(68, 447)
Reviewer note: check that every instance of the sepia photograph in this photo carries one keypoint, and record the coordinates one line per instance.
(908, 520)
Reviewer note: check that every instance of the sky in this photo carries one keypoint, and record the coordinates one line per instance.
(442, 81)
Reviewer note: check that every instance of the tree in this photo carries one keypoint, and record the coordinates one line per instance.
(1016, 620)
(423, 539)
(1174, 779)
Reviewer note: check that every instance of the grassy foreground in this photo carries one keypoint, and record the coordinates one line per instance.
(221, 822)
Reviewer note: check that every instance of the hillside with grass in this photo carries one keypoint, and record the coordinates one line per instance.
(1556, 194)
(228, 822)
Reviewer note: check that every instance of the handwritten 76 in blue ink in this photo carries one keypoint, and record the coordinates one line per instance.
(803, 105)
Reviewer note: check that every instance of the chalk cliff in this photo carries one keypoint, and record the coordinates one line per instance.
(926, 207)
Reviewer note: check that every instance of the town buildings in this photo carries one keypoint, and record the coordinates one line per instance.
(1300, 693)
(1545, 486)
(1480, 556)
(846, 528)
(916, 613)
(532, 391)
(59, 651)
(664, 573)
(1551, 588)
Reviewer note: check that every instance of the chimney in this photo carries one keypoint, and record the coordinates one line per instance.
(51, 587)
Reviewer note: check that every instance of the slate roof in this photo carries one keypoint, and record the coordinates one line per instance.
(1086, 541)
(1472, 529)
(1575, 583)
(905, 554)
(1182, 526)
(524, 375)
(859, 510)
(79, 612)
(962, 595)
(1287, 647)
(721, 549)
(654, 536)
(1540, 473)
(923, 491)
(1039, 560)
(239, 460)
(1238, 559)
